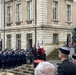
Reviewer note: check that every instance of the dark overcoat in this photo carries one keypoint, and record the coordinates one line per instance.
(67, 68)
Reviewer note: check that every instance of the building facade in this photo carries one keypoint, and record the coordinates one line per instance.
(2, 24)
(0, 17)
(44, 22)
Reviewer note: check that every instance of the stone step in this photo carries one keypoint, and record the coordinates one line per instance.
(17, 70)
(24, 71)
(31, 69)
(24, 68)
(11, 72)
(20, 73)
(29, 66)
(21, 70)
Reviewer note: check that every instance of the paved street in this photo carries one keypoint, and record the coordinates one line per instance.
(55, 63)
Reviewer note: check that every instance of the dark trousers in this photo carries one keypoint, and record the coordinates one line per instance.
(4, 65)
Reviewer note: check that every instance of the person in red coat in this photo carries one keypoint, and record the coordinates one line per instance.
(40, 53)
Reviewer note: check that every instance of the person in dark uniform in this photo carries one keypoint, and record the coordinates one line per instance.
(29, 54)
(18, 58)
(34, 52)
(23, 57)
(3, 60)
(9, 56)
(0, 58)
(66, 67)
(44, 56)
(13, 64)
(74, 58)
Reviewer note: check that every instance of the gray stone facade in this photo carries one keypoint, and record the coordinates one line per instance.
(46, 26)
(2, 22)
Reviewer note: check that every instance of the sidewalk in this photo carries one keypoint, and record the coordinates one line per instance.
(55, 62)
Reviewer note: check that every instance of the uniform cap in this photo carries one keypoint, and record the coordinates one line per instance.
(65, 50)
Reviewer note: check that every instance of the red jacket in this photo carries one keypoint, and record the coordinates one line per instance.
(40, 51)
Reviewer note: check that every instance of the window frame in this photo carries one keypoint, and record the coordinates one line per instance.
(9, 41)
(29, 10)
(9, 18)
(55, 39)
(68, 15)
(18, 12)
(55, 10)
(18, 41)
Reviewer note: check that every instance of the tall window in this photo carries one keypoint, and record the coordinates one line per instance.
(8, 14)
(55, 10)
(18, 41)
(18, 12)
(9, 41)
(55, 38)
(68, 12)
(29, 39)
(29, 10)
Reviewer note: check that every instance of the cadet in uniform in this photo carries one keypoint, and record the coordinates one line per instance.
(34, 52)
(9, 59)
(66, 67)
(3, 59)
(29, 54)
(23, 57)
(13, 64)
(0, 59)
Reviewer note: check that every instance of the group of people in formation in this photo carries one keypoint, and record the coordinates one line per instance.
(66, 67)
(13, 58)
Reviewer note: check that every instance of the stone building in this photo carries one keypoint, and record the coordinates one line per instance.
(0, 20)
(44, 22)
(1, 24)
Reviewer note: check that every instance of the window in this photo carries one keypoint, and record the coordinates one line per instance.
(18, 41)
(9, 41)
(18, 12)
(8, 14)
(68, 12)
(29, 10)
(29, 36)
(55, 10)
(55, 38)
(29, 39)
